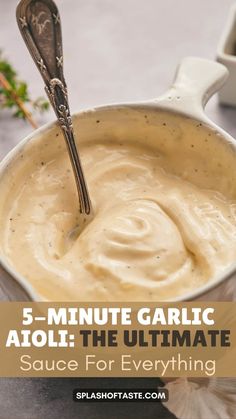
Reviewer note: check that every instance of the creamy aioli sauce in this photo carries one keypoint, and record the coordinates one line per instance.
(154, 235)
(163, 191)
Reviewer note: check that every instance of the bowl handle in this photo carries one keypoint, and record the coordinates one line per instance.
(196, 80)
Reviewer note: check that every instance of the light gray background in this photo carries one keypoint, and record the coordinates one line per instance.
(119, 50)
(115, 51)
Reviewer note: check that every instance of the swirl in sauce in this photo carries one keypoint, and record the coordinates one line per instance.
(154, 236)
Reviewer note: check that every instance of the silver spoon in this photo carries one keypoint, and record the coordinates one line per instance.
(40, 26)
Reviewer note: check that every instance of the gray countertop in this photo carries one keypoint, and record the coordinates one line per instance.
(115, 51)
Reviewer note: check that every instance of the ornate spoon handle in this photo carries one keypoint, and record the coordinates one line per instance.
(40, 26)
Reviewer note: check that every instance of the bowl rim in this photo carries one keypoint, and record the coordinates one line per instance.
(144, 105)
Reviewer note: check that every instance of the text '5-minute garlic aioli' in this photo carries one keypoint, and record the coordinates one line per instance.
(155, 235)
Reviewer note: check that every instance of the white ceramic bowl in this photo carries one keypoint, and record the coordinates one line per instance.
(226, 54)
(164, 120)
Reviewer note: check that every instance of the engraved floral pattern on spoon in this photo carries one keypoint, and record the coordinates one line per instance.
(39, 23)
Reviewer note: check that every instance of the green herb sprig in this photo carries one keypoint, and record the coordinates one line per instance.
(14, 94)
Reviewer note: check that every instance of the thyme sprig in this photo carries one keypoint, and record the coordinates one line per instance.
(14, 94)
